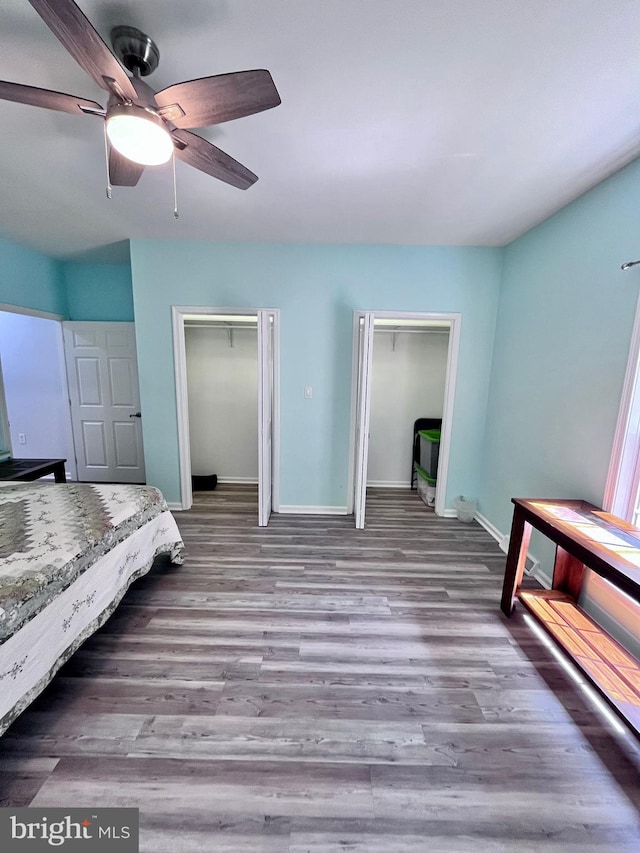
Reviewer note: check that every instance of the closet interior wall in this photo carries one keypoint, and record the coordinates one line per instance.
(408, 382)
(222, 383)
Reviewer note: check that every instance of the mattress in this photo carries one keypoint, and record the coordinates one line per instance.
(50, 535)
(68, 553)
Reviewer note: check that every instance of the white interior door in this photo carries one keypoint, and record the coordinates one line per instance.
(365, 360)
(102, 370)
(265, 415)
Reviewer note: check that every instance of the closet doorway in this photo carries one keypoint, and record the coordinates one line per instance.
(227, 369)
(404, 368)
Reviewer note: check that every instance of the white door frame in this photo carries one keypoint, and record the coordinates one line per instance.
(178, 313)
(623, 478)
(455, 320)
(365, 333)
(5, 430)
(265, 417)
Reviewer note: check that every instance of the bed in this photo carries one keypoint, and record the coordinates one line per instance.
(68, 554)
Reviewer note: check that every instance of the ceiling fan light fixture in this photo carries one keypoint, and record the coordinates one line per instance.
(139, 135)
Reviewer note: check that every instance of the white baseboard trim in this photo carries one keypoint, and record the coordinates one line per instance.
(533, 564)
(542, 577)
(450, 512)
(492, 530)
(174, 507)
(239, 481)
(312, 510)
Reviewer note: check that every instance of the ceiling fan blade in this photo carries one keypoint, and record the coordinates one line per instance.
(203, 155)
(47, 98)
(122, 171)
(69, 24)
(212, 100)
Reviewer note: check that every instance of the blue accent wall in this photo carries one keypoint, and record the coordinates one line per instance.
(75, 291)
(317, 288)
(564, 328)
(30, 280)
(98, 291)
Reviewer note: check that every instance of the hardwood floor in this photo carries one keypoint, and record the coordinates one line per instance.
(310, 688)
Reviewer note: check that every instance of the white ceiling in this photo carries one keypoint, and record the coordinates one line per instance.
(460, 122)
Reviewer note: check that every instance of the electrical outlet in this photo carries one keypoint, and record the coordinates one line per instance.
(22, 438)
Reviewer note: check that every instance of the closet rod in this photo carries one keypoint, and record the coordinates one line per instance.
(225, 326)
(391, 330)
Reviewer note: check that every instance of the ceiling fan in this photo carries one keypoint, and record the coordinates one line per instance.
(145, 127)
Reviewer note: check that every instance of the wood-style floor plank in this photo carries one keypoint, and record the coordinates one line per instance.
(310, 688)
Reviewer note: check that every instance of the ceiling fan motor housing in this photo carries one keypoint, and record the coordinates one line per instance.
(138, 53)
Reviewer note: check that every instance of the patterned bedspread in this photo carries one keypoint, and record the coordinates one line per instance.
(50, 534)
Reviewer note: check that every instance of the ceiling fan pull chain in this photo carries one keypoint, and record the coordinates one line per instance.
(176, 215)
(106, 160)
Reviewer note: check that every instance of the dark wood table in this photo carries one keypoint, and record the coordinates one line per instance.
(586, 537)
(584, 534)
(32, 469)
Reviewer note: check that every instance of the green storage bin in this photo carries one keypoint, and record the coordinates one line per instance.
(429, 451)
(426, 486)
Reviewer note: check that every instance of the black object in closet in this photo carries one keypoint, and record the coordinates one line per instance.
(421, 423)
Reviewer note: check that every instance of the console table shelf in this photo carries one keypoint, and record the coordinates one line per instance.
(586, 537)
(607, 664)
(32, 469)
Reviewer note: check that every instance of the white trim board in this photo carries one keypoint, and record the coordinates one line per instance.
(623, 475)
(542, 577)
(312, 510)
(30, 312)
(492, 530)
(533, 568)
(5, 430)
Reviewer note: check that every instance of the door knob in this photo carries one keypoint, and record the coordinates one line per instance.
(136, 415)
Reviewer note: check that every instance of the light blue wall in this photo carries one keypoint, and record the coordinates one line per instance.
(564, 327)
(98, 291)
(317, 287)
(559, 348)
(30, 280)
(76, 291)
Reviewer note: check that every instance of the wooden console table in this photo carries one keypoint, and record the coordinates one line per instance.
(585, 537)
(32, 469)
